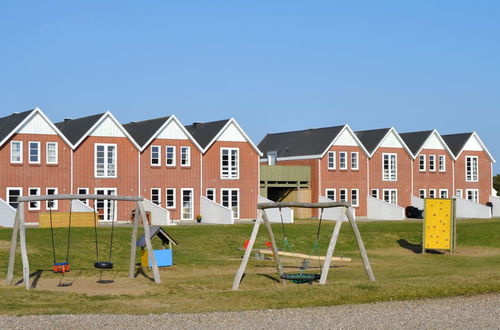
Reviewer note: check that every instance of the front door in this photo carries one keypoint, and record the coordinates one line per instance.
(106, 209)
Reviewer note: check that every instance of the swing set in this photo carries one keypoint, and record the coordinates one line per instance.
(19, 231)
(302, 276)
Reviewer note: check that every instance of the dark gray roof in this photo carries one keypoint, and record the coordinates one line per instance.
(9, 123)
(415, 140)
(456, 141)
(204, 133)
(142, 131)
(371, 138)
(300, 143)
(156, 231)
(74, 129)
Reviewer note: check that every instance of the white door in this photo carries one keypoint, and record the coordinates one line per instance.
(106, 209)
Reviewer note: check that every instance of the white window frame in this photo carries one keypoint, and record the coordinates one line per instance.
(392, 171)
(475, 195)
(173, 156)
(55, 205)
(421, 163)
(36, 203)
(376, 191)
(86, 191)
(345, 192)
(442, 163)
(186, 161)
(191, 217)
(355, 197)
(214, 193)
(333, 191)
(332, 160)
(38, 155)
(422, 193)
(432, 163)
(432, 193)
(158, 193)
(106, 164)
(343, 165)
(469, 176)
(47, 155)
(355, 160)
(391, 199)
(8, 195)
(20, 161)
(151, 157)
(110, 207)
(272, 157)
(232, 172)
(459, 193)
(174, 197)
(441, 191)
(236, 213)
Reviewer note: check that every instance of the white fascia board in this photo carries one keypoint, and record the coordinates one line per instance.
(54, 127)
(299, 157)
(474, 134)
(435, 132)
(346, 127)
(392, 129)
(12, 132)
(229, 122)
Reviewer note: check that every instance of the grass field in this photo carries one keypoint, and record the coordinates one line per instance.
(208, 256)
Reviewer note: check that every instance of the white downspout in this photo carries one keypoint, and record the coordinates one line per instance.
(71, 171)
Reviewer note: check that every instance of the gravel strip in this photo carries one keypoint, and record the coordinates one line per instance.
(476, 312)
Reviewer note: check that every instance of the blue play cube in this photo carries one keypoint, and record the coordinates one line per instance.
(163, 258)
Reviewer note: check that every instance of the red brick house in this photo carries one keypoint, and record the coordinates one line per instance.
(35, 158)
(170, 165)
(230, 166)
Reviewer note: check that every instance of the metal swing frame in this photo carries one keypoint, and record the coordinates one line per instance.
(262, 217)
(19, 230)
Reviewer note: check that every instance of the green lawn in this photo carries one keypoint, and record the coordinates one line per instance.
(208, 257)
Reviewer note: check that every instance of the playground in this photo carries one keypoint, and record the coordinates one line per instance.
(208, 256)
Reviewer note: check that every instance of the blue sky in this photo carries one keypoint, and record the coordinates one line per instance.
(273, 65)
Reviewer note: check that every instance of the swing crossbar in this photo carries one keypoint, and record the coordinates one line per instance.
(79, 196)
(301, 255)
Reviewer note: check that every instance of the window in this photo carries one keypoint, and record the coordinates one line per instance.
(105, 160)
(471, 169)
(458, 193)
(389, 164)
(443, 193)
(52, 204)
(391, 196)
(12, 195)
(432, 163)
(472, 195)
(331, 160)
(354, 197)
(170, 198)
(51, 157)
(34, 205)
(34, 156)
(16, 152)
(185, 156)
(170, 155)
(343, 160)
(106, 209)
(211, 194)
(343, 195)
(432, 193)
(442, 163)
(187, 204)
(155, 155)
(230, 199)
(83, 191)
(229, 163)
(421, 163)
(374, 193)
(330, 193)
(421, 193)
(156, 196)
(272, 157)
(354, 161)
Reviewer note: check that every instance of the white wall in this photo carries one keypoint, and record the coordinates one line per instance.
(496, 206)
(381, 210)
(417, 202)
(334, 213)
(78, 206)
(7, 214)
(159, 215)
(469, 209)
(274, 214)
(212, 212)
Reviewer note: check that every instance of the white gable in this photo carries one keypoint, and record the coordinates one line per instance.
(473, 144)
(434, 143)
(108, 128)
(391, 141)
(232, 134)
(346, 139)
(172, 131)
(37, 125)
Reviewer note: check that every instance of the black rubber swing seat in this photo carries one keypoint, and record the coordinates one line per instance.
(103, 265)
(301, 278)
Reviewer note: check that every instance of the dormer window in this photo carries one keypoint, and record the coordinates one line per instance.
(271, 157)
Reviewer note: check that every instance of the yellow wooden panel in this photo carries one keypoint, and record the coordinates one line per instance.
(144, 258)
(61, 219)
(438, 224)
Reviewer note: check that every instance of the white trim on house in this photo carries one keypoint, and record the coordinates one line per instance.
(354, 136)
(442, 161)
(174, 156)
(37, 203)
(343, 165)
(188, 156)
(331, 190)
(7, 194)
(355, 153)
(158, 196)
(483, 146)
(422, 160)
(106, 164)
(389, 173)
(84, 191)
(400, 140)
(39, 152)
(445, 195)
(357, 197)
(191, 215)
(230, 204)
(472, 172)
(47, 153)
(174, 199)
(214, 194)
(441, 140)
(21, 151)
(333, 155)
(158, 148)
(55, 203)
(233, 173)
(242, 132)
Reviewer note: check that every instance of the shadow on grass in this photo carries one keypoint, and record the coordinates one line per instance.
(140, 271)
(415, 248)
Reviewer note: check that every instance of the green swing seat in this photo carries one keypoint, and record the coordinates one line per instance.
(301, 278)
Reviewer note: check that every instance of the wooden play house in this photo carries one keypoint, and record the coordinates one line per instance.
(164, 257)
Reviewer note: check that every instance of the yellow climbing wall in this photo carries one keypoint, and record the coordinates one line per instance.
(438, 224)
